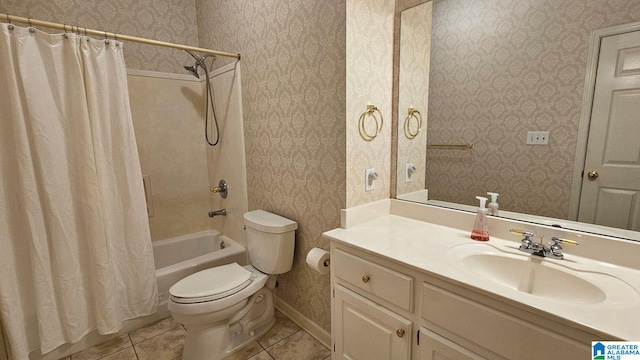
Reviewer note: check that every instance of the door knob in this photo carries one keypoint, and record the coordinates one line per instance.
(400, 332)
(365, 278)
(592, 175)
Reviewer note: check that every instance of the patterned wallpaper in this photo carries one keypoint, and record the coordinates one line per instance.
(498, 70)
(369, 79)
(415, 48)
(293, 81)
(165, 20)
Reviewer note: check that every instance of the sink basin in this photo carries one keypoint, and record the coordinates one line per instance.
(531, 276)
(536, 276)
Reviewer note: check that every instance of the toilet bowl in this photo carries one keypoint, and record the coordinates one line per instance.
(226, 307)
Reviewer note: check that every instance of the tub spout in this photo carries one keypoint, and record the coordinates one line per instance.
(222, 212)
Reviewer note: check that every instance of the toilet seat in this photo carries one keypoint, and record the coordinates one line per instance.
(211, 284)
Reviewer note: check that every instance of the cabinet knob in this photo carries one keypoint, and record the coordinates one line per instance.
(400, 332)
(365, 278)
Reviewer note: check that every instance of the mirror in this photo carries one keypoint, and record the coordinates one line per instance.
(488, 73)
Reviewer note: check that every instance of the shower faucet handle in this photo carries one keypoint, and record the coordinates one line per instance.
(221, 189)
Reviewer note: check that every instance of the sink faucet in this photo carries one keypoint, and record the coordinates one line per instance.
(554, 250)
(222, 212)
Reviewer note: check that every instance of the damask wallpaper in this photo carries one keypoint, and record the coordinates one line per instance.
(293, 79)
(500, 68)
(164, 20)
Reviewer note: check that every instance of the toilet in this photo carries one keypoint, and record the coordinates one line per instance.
(226, 307)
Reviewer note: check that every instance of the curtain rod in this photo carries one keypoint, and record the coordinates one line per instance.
(79, 29)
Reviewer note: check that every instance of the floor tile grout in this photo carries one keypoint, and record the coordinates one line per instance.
(260, 349)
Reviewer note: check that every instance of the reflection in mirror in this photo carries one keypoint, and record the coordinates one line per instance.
(413, 95)
(500, 69)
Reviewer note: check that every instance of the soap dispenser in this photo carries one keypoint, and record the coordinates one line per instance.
(493, 205)
(481, 226)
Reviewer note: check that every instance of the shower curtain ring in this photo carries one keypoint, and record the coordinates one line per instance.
(106, 39)
(10, 26)
(64, 27)
(31, 29)
(116, 36)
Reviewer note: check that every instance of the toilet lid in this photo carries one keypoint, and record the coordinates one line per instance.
(211, 284)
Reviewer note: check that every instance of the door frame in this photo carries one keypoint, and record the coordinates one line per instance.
(587, 105)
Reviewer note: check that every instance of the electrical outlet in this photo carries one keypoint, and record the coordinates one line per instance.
(408, 172)
(370, 177)
(537, 138)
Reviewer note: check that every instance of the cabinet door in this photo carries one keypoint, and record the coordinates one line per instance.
(364, 330)
(435, 347)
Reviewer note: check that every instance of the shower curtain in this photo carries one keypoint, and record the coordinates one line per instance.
(75, 246)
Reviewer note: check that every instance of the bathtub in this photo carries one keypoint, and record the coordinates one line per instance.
(178, 257)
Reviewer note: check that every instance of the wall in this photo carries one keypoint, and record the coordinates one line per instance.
(369, 80)
(513, 66)
(293, 71)
(165, 20)
(168, 120)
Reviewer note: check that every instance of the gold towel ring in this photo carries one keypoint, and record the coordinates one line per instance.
(413, 114)
(371, 109)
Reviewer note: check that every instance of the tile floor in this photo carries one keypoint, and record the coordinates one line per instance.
(164, 340)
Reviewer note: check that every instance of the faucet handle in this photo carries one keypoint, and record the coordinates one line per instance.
(526, 234)
(555, 250)
(526, 243)
(557, 240)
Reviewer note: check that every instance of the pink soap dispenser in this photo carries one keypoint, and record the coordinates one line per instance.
(481, 226)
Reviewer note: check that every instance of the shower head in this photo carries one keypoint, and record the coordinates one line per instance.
(193, 70)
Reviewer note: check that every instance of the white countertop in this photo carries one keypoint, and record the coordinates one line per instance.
(426, 247)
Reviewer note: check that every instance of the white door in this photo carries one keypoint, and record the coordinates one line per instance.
(611, 180)
(367, 331)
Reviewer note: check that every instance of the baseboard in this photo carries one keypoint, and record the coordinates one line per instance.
(311, 327)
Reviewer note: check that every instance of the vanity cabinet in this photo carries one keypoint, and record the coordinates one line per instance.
(369, 301)
(434, 347)
(374, 317)
(367, 330)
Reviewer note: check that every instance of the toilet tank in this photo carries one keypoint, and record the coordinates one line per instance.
(270, 241)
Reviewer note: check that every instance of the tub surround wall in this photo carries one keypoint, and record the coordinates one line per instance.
(498, 70)
(293, 71)
(164, 20)
(227, 159)
(168, 121)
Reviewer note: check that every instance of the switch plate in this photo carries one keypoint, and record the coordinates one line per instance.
(537, 138)
(370, 177)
